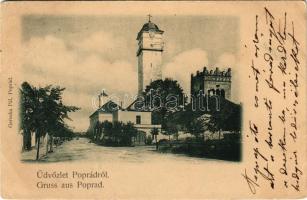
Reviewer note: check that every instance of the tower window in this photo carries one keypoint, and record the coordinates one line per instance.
(223, 93)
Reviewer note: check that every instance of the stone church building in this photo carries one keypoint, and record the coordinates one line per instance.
(149, 54)
(112, 112)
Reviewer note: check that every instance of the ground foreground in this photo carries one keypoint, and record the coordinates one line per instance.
(81, 150)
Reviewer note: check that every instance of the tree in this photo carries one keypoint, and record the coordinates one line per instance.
(227, 119)
(96, 132)
(164, 97)
(196, 127)
(26, 114)
(42, 111)
(148, 140)
(107, 128)
(55, 112)
(34, 114)
(129, 131)
(63, 131)
(155, 132)
(170, 129)
(117, 131)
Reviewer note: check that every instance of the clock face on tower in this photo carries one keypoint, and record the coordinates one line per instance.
(151, 34)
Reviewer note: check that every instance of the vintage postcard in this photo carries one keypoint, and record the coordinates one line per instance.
(153, 100)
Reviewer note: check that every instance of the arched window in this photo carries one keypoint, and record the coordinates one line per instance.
(211, 92)
(223, 93)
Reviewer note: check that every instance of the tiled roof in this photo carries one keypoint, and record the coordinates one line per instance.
(138, 105)
(108, 107)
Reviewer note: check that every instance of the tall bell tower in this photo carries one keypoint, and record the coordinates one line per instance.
(149, 53)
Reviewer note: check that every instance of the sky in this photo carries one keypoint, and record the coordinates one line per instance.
(86, 54)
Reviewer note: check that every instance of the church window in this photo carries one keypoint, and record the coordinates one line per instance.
(223, 93)
(211, 92)
(138, 119)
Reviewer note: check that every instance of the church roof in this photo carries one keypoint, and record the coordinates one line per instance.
(108, 107)
(138, 105)
(149, 26)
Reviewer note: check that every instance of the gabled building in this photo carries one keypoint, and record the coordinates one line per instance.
(104, 113)
(140, 117)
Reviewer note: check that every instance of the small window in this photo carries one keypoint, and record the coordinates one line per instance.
(138, 119)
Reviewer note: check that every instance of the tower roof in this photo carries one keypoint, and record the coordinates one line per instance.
(149, 26)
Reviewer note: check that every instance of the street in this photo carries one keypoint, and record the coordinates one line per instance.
(81, 150)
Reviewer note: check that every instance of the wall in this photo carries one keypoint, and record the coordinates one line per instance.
(130, 116)
(140, 73)
(105, 117)
(151, 66)
(226, 86)
(101, 117)
(145, 126)
(149, 60)
(93, 121)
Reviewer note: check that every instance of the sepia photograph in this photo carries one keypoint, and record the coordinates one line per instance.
(153, 100)
(116, 88)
